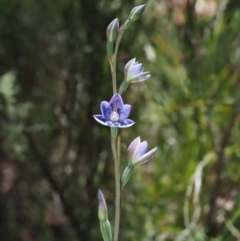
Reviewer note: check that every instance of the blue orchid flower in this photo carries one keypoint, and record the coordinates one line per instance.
(114, 113)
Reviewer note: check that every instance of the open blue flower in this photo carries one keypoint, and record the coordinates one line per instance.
(133, 71)
(114, 113)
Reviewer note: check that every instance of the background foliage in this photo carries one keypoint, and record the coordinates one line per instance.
(54, 156)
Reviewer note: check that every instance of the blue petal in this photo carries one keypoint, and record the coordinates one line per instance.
(141, 77)
(116, 102)
(128, 66)
(124, 112)
(135, 70)
(141, 150)
(133, 147)
(146, 157)
(106, 109)
(111, 124)
(101, 119)
(126, 123)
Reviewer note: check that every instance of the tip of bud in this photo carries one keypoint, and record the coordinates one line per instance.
(134, 15)
(112, 30)
(99, 194)
(100, 197)
(141, 7)
(136, 12)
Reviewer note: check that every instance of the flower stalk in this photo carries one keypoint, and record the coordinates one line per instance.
(114, 114)
(115, 142)
(113, 60)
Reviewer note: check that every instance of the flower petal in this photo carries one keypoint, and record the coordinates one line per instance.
(133, 147)
(140, 151)
(101, 119)
(126, 123)
(116, 102)
(106, 109)
(135, 70)
(113, 124)
(141, 77)
(128, 66)
(124, 112)
(148, 156)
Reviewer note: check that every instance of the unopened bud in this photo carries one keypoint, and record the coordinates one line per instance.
(134, 15)
(102, 208)
(112, 30)
(136, 12)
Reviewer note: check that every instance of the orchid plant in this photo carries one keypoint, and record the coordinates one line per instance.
(114, 114)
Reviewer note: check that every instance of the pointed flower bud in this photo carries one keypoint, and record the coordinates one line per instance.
(105, 225)
(136, 12)
(112, 30)
(137, 152)
(134, 73)
(134, 15)
(102, 208)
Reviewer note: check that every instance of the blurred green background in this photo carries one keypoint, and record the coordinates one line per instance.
(53, 155)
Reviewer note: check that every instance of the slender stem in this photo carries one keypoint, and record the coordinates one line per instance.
(116, 144)
(119, 146)
(116, 47)
(113, 62)
(113, 72)
(117, 201)
(114, 148)
(116, 157)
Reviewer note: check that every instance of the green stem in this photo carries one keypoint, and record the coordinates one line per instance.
(116, 143)
(116, 156)
(113, 72)
(116, 47)
(113, 62)
(117, 201)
